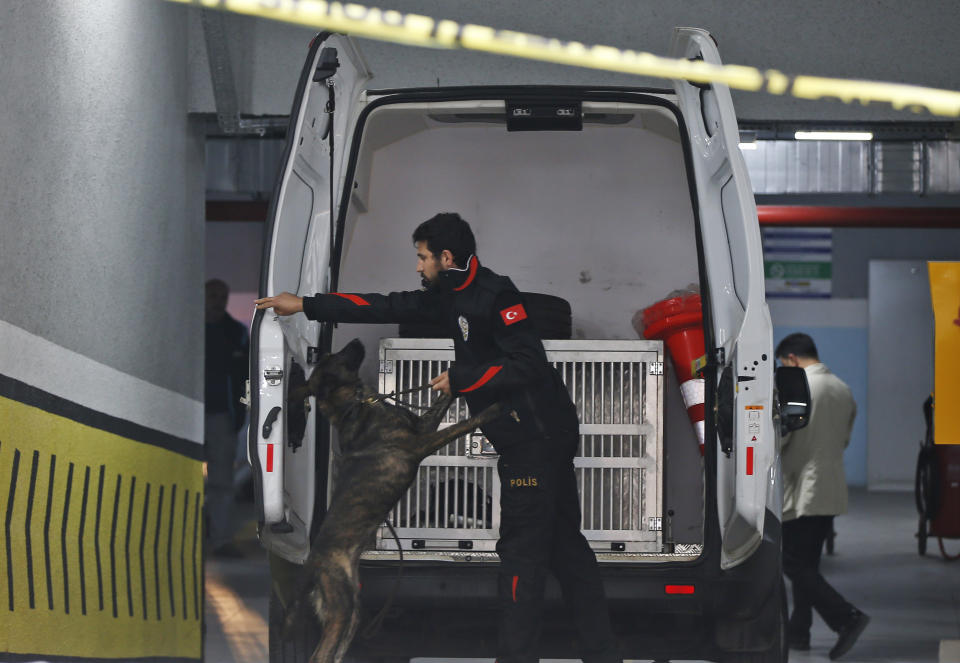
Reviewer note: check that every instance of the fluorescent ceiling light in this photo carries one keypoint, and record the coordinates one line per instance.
(748, 146)
(833, 135)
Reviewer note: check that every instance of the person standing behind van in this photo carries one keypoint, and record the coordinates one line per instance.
(500, 358)
(814, 491)
(227, 351)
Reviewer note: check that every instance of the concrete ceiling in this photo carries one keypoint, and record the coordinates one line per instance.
(874, 39)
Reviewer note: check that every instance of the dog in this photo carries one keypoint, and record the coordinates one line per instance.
(381, 447)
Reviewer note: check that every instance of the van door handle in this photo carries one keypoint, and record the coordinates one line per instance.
(271, 419)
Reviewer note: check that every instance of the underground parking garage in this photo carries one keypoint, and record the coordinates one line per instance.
(749, 297)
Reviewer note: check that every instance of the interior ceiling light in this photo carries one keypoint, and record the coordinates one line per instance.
(833, 135)
(748, 140)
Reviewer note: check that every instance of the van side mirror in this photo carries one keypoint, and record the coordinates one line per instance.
(793, 393)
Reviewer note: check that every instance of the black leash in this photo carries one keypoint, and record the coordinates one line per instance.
(373, 627)
(393, 397)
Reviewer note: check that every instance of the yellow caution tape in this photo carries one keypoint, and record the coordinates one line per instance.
(418, 30)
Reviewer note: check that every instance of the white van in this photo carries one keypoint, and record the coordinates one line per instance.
(607, 197)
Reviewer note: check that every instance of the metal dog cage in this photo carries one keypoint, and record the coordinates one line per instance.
(453, 505)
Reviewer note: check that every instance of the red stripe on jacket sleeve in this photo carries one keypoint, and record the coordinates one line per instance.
(356, 299)
(493, 370)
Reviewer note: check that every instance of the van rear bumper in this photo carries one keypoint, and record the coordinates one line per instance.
(451, 609)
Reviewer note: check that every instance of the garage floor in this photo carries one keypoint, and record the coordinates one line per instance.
(914, 601)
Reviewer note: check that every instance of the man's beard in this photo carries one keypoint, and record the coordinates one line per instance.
(428, 283)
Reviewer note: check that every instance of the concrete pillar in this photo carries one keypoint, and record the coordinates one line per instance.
(101, 321)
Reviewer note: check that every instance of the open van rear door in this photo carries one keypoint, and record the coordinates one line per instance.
(741, 328)
(282, 443)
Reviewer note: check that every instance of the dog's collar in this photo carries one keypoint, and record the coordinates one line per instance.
(358, 400)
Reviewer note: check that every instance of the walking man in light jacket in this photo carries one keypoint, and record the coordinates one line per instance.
(814, 491)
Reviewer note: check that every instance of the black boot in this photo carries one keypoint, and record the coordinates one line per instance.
(849, 633)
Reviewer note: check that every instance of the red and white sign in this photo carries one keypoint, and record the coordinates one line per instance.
(513, 314)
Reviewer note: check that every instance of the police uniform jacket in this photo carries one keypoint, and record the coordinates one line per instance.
(499, 357)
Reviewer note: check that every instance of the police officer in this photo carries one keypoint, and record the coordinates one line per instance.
(500, 358)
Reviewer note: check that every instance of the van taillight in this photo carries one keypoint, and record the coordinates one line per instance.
(679, 589)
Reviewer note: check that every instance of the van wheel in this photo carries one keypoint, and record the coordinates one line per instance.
(299, 646)
(779, 651)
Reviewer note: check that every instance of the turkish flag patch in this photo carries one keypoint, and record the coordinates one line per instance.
(513, 314)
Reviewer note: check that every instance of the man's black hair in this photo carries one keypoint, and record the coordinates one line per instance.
(447, 231)
(798, 344)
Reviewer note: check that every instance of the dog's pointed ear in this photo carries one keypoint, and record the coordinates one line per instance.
(354, 353)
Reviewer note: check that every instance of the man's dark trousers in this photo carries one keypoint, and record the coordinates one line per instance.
(540, 532)
(803, 540)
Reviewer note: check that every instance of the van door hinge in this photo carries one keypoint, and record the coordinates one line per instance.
(656, 524)
(386, 367)
(327, 66)
(273, 376)
(656, 368)
(721, 355)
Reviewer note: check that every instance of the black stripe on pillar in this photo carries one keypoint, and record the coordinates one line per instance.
(6, 526)
(46, 530)
(126, 545)
(63, 540)
(196, 586)
(113, 544)
(143, 538)
(173, 504)
(96, 539)
(83, 521)
(183, 544)
(46, 541)
(156, 551)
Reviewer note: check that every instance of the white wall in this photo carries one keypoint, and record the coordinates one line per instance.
(101, 186)
(600, 217)
(901, 369)
(839, 329)
(871, 40)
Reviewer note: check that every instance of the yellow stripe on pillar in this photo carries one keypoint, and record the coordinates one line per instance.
(101, 554)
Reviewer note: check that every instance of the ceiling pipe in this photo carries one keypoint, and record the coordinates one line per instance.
(859, 217)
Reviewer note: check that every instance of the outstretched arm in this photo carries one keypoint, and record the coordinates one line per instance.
(408, 306)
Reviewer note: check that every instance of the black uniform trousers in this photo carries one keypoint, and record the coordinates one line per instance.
(540, 533)
(803, 540)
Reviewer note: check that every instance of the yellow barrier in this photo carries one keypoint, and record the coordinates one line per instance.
(945, 295)
(418, 30)
(101, 548)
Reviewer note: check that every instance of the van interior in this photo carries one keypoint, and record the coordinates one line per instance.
(601, 217)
